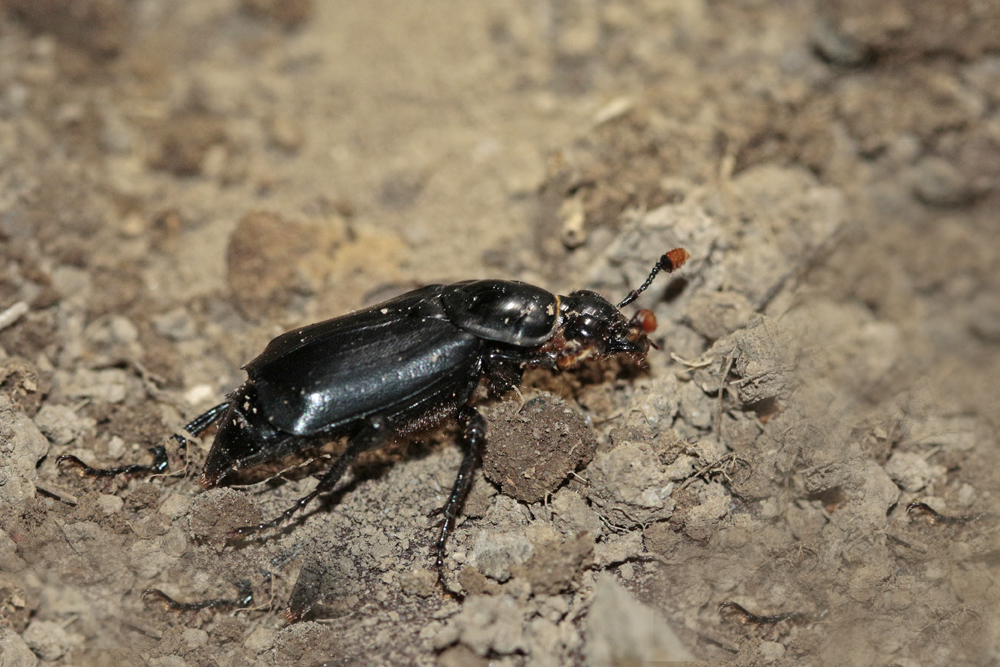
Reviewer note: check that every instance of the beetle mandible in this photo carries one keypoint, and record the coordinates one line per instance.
(402, 366)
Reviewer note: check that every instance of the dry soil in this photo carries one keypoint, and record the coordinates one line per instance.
(182, 180)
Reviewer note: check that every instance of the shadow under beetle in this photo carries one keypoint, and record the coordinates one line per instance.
(403, 366)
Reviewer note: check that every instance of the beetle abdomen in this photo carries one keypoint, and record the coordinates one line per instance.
(245, 438)
(350, 375)
(419, 304)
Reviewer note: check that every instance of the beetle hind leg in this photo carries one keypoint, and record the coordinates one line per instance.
(159, 465)
(372, 436)
(200, 424)
(243, 599)
(473, 439)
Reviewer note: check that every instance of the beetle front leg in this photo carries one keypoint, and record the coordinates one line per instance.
(474, 439)
(372, 436)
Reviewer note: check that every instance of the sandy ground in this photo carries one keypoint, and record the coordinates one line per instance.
(181, 180)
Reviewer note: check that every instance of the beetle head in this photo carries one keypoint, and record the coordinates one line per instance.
(591, 326)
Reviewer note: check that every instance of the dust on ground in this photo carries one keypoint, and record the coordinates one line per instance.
(182, 181)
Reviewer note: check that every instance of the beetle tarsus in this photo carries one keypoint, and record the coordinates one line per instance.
(473, 439)
(160, 462)
(939, 519)
(372, 436)
(158, 466)
(747, 618)
(243, 599)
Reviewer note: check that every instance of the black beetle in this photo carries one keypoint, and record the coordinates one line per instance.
(402, 366)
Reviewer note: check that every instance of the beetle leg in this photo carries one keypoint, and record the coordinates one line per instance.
(474, 439)
(502, 373)
(159, 452)
(243, 599)
(158, 465)
(375, 434)
(200, 424)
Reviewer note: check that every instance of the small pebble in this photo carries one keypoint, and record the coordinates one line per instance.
(938, 183)
(12, 314)
(835, 46)
(195, 637)
(261, 639)
(771, 652)
(175, 505)
(109, 504)
(984, 317)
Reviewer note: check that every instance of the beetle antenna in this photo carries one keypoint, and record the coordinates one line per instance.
(669, 262)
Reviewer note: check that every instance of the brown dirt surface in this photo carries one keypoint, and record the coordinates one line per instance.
(181, 181)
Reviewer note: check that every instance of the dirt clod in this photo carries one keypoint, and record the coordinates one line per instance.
(61, 425)
(572, 515)
(17, 653)
(629, 486)
(418, 582)
(22, 383)
(621, 630)
(475, 582)
(22, 445)
(183, 141)
(555, 564)
(534, 448)
(217, 513)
